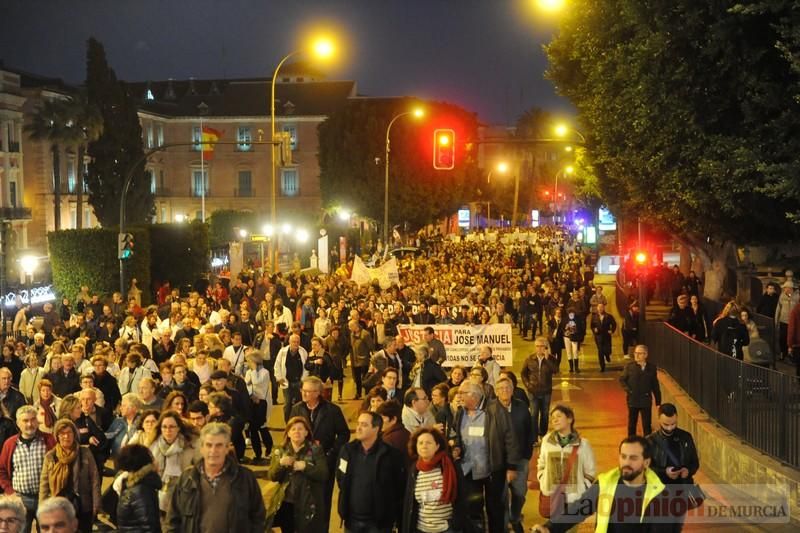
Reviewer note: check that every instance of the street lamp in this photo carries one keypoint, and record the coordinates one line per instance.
(29, 264)
(502, 168)
(551, 6)
(418, 113)
(569, 169)
(562, 130)
(322, 48)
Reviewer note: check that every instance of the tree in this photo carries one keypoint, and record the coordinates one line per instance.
(688, 120)
(351, 157)
(84, 125)
(49, 124)
(223, 225)
(119, 146)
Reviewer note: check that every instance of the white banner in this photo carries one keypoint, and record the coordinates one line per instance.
(386, 274)
(463, 343)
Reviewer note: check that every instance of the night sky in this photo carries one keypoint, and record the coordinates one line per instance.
(484, 55)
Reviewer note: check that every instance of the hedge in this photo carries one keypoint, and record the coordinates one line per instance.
(178, 253)
(89, 257)
(175, 252)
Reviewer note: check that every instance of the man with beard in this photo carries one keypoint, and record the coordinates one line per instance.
(637, 496)
(675, 459)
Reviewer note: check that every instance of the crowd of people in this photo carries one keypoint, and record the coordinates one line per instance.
(167, 399)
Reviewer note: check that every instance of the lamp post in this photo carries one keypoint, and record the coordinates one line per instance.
(418, 113)
(322, 48)
(29, 264)
(562, 130)
(502, 168)
(569, 169)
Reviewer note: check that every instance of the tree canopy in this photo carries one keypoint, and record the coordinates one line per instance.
(117, 148)
(351, 157)
(690, 110)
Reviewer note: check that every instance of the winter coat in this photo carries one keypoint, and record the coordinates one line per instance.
(137, 509)
(640, 384)
(84, 477)
(500, 440)
(538, 380)
(553, 459)
(246, 514)
(307, 487)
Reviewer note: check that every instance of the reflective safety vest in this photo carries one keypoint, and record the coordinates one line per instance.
(608, 481)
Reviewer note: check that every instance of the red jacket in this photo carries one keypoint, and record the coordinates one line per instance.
(6, 468)
(793, 334)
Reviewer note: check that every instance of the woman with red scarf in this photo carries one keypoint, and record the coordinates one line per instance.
(432, 486)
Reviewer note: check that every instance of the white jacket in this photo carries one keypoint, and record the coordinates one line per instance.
(280, 365)
(583, 471)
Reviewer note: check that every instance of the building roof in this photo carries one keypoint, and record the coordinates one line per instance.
(241, 97)
(28, 80)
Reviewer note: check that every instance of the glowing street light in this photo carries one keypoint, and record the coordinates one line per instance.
(322, 48)
(268, 230)
(551, 6)
(243, 233)
(29, 264)
(286, 228)
(180, 218)
(301, 236)
(562, 130)
(418, 113)
(344, 215)
(502, 168)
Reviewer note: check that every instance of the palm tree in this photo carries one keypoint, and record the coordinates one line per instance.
(47, 125)
(84, 125)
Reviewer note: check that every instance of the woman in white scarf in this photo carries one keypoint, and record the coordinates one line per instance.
(173, 451)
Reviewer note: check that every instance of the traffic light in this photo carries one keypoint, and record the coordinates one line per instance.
(641, 258)
(125, 245)
(444, 149)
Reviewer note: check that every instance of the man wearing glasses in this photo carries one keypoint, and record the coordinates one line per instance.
(416, 411)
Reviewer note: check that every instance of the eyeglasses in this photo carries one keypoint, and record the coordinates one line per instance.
(9, 521)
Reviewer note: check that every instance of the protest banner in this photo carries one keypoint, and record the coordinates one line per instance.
(463, 343)
(386, 274)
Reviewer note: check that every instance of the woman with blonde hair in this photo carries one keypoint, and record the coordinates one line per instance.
(69, 470)
(729, 334)
(30, 378)
(47, 406)
(211, 342)
(69, 408)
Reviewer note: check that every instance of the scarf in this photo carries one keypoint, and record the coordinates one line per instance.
(171, 456)
(59, 474)
(443, 461)
(49, 414)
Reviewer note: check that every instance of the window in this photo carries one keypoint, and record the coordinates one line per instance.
(73, 218)
(150, 135)
(290, 184)
(71, 176)
(153, 185)
(87, 217)
(292, 131)
(160, 135)
(164, 214)
(245, 183)
(12, 193)
(244, 138)
(196, 138)
(149, 95)
(199, 182)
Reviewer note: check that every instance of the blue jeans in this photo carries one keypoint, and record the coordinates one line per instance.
(518, 489)
(31, 503)
(540, 414)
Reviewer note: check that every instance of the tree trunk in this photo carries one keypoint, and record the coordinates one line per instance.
(716, 259)
(686, 259)
(79, 190)
(56, 186)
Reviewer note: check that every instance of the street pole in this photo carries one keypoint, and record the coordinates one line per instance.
(555, 200)
(273, 250)
(516, 200)
(386, 182)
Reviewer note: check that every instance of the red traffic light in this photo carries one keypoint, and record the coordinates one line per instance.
(641, 258)
(444, 155)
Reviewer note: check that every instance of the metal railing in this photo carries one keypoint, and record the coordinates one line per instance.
(759, 405)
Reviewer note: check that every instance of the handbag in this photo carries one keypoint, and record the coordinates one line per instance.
(548, 503)
(694, 494)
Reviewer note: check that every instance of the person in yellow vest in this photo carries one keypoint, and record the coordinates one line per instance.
(628, 498)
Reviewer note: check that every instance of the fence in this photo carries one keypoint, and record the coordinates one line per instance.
(759, 405)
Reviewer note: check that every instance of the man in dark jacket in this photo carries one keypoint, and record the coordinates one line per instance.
(521, 424)
(217, 494)
(640, 382)
(674, 455)
(603, 326)
(486, 454)
(11, 398)
(371, 476)
(66, 380)
(537, 376)
(361, 348)
(106, 383)
(328, 426)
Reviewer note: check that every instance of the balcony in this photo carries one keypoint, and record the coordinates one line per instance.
(13, 147)
(15, 213)
(244, 192)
